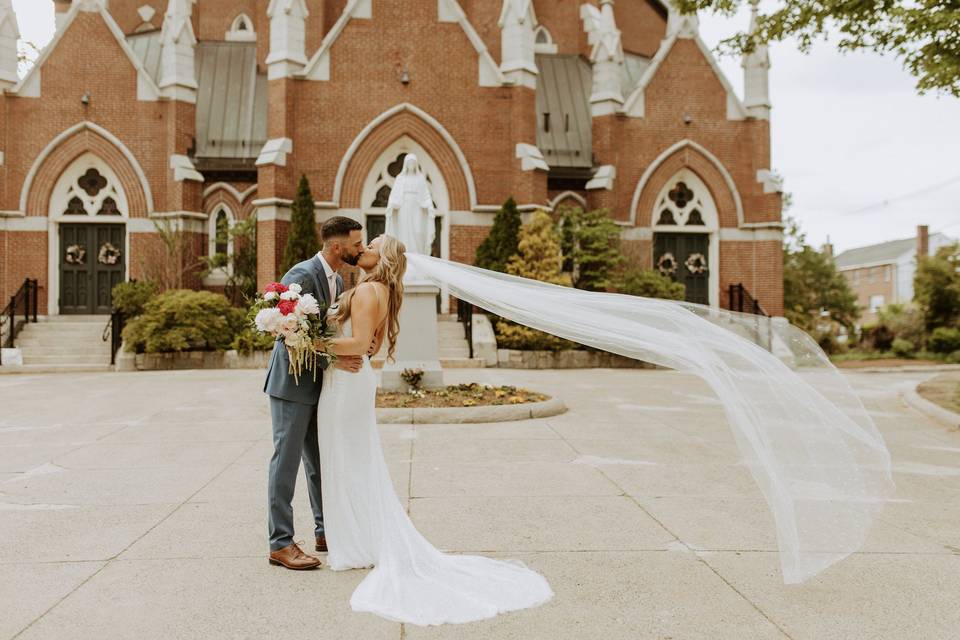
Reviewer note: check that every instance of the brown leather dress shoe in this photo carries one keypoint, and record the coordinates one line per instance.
(322, 544)
(293, 557)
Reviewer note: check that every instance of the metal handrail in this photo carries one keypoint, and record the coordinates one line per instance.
(465, 316)
(28, 294)
(113, 331)
(741, 300)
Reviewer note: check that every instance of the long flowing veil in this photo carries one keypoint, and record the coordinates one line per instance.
(808, 441)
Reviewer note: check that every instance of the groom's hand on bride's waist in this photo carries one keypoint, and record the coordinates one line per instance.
(349, 363)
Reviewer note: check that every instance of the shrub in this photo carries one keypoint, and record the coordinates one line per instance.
(903, 348)
(905, 321)
(302, 241)
(129, 298)
(250, 340)
(878, 337)
(954, 358)
(936, 286)
(591, 247)
(829, 343)
(650, 283)
(945, 340)
(183, 320)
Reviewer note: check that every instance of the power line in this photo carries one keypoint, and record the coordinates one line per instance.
(919, 192)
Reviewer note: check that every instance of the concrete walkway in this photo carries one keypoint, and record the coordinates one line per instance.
(133, 506)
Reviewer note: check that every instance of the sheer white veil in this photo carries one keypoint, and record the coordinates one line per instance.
(813, 449)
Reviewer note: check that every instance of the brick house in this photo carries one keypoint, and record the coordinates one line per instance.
(204, 113)
(882, 274)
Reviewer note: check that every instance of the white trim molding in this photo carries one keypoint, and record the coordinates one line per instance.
(530, 157)
(603, 177)
(183, 169)
(567, 194)
(660, 159)
(489, 73)
(772, 183)
(275, 152)
(80, 126)
(426, 117)
(318, 67)
(241, 196)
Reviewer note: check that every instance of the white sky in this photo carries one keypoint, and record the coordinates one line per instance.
(850, 136)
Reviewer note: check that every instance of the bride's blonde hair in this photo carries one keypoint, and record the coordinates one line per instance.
(389, 272)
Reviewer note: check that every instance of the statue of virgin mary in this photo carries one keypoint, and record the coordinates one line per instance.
(410, 210)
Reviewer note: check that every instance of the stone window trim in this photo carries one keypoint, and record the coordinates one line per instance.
(88, 188)
(219, 276)
(241, 30)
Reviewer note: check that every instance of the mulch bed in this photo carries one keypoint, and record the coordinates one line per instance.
(459, 395)
(883, 362)
(943, 390)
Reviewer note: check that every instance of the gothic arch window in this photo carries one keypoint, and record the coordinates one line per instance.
(241, 30)
(543, 41)
(220, 241)
(685, 204)
(388, 175)
(89, 188)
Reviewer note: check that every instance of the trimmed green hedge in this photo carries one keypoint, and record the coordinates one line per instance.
(184, 320)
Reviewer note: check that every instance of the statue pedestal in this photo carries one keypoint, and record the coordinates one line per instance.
(417, 344)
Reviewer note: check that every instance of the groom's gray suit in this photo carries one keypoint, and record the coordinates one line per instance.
(293, 408)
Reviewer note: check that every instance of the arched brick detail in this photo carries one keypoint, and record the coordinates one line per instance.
(84, 141)
(688, 158)
(400, 124)
(222, 196)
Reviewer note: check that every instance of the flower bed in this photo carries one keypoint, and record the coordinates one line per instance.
(460, 395)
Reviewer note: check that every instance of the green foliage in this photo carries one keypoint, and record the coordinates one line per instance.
(590, 245)
(302, 241)
(905, 321)
(936, 287)
(249, 340)
(903, 348)
(922, 34)
(184, 320)
(502, 241)
(169, 269)
(878, 337)
(945, 340)
(650, 283)
(241, 267)
(811, 284)
(129, 298)
(539, 258)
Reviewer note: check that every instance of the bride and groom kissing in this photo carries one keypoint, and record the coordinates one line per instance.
(330, 425)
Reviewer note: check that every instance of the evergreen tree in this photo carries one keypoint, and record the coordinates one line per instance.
(936, 287)
(590, 248)
(302, 241)
(501, 243)
(538, 257)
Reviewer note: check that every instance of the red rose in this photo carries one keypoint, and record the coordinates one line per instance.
(287, 306)
(275, 287)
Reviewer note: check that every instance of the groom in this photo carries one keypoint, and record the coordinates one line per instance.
(293, 407)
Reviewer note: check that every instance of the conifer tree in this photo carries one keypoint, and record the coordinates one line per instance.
(501, 243)
(302, 241)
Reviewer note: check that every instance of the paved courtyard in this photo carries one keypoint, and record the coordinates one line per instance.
(133, 506)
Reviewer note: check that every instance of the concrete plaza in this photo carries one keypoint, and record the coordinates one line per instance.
(133, 506)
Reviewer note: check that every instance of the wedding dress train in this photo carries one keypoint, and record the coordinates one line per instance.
(367, 526)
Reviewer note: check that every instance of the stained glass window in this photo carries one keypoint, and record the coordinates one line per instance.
(75, 207)
(666, 217)
(92, 182)
(109, 208)
(223, 233)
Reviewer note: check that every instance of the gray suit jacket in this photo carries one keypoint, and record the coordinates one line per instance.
(280, 383)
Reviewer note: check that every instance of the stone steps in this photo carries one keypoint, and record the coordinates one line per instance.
(72, 342)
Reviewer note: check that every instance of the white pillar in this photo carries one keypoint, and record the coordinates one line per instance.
(606, 56)
(9, 34)
(288, 44)
(756, 75)
(178, 76)
(517, 24)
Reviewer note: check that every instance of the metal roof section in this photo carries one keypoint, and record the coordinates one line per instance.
(885, 252)
(564, 125)
(231, 98)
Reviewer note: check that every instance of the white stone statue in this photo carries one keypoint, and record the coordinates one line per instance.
(410, 211)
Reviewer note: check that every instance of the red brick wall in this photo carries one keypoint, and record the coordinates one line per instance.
(642, 27)
(759, 266)
(464, 241)
(24, 256)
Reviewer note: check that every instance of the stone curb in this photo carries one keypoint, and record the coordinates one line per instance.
(931, 409)
(472, 415)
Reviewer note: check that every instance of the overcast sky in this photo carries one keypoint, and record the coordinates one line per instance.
(859, 150)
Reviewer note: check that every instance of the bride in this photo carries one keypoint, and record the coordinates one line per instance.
(366, 524)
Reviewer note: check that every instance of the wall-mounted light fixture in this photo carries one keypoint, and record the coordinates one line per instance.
(85, 99)
(405, 76)
(687, 118)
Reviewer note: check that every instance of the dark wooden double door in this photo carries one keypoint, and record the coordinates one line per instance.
(684, 257)
(92, 261)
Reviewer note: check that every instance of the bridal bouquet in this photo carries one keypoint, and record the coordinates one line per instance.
(300, 320)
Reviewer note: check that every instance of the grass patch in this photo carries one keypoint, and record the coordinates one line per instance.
(458, 395)
(854, 359)
(943, 390)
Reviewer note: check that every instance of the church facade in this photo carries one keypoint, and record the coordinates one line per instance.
(197, 114)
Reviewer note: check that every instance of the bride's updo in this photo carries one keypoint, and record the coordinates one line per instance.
(388, 270)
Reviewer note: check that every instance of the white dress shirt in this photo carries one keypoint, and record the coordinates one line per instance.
(331, 277)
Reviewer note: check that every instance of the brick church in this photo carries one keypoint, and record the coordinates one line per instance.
(202, 113)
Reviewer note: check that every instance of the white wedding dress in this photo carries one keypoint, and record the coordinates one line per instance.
(367, 526)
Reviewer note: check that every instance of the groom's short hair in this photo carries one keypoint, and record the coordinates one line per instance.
(338, 227)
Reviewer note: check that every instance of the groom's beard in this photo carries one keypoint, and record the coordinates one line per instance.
(351, 260)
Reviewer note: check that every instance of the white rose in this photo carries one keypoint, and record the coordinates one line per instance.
(308, 305)
(267, 319)
(290, 294)
(288, 324)
(270, 295)
(296, 288)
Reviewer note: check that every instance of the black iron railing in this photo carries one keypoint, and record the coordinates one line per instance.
(741, 300)
(21, 310)
(465, 316)
(114, 333)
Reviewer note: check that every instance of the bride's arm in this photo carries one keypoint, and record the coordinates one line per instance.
(363, 319)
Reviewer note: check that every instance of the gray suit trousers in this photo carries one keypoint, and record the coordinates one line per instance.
(294, 438)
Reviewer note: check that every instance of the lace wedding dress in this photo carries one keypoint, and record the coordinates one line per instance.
(367, 526)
